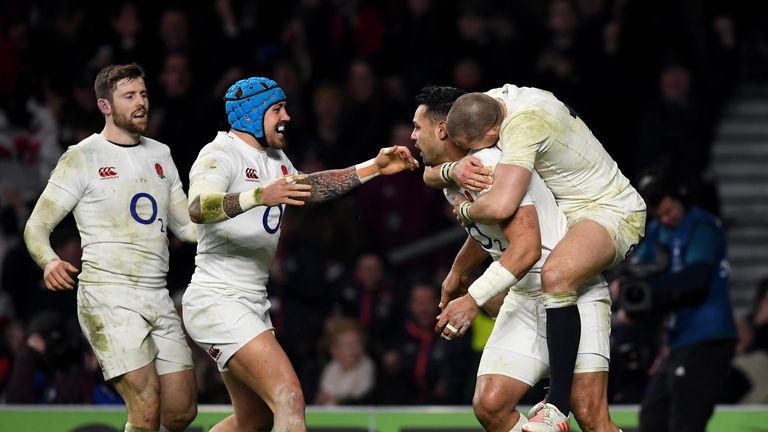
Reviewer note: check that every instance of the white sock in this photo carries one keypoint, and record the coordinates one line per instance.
(518, 427)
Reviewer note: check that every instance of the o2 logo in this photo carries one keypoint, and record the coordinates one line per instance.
(485, 241)
(265, 219)
(146, 221)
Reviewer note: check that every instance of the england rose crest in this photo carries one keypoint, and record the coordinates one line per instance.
(159, 171)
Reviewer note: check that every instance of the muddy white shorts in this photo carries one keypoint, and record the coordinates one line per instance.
(221, 321)
(623, 217)
(130, 327)
(517, 347)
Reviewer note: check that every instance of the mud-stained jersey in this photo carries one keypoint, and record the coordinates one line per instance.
(540, 132)
(237, 253)
(552, 226)
(121, 197)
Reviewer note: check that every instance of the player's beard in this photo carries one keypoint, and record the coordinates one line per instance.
(128, 123)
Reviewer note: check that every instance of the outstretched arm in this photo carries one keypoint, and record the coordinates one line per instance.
(334, 183)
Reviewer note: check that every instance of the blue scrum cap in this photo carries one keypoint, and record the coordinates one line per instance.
(246, 102)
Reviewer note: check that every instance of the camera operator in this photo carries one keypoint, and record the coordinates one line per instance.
(48, 367)
(692, 292)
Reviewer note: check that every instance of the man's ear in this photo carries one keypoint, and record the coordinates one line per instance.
(442, 132)
(104, 106)
(494, 131)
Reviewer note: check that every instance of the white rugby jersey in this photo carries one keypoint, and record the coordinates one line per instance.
(540, 132)
(238, 253)
(120, 198)
(552, 225)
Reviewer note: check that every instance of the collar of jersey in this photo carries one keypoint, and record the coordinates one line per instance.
(244, 144)
(141, 139)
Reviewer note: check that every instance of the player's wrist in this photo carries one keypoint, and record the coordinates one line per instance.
(472, 301)
(445, 173)
(464, 211)
(367, 170)
(252, 198)
(496, 279)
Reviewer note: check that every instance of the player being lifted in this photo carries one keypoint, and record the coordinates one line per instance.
(240, 184)
(605, 215)
(126, 194)
(515, 357)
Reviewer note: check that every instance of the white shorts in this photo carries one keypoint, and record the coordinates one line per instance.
(517, 347)
(623, 218)
(130, 327)
(221, 321)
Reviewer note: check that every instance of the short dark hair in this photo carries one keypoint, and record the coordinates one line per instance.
(107, 79)
(473, 115)
(438, 100)
(657, 182)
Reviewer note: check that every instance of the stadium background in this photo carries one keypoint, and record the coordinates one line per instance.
(678, 84)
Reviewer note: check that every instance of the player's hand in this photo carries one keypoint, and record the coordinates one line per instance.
(57, 275)
(454, 285)
(457, 201)
(470, 174)
(291, 190)
(392, 160)
(457, 317)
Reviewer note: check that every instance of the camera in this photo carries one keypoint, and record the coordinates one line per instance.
(62, 339)
(636, 293)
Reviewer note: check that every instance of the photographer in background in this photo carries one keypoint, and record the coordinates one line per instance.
(49, 368)
(691, 290)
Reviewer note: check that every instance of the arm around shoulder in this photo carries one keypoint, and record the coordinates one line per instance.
(502, 200)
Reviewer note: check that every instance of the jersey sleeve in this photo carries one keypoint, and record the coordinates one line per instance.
(68, 181)
(521, 137)
(211, 172)
(174, 175)
(178, 213)
(44, 218)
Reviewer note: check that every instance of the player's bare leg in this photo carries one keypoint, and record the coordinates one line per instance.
(263, 366)
(589, 399)
(140, 390)
(586, 249)
(495, 400)
(178, 399)
(251, 412)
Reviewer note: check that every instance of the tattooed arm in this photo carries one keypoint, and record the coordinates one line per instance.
(207, 205)
(334, 183)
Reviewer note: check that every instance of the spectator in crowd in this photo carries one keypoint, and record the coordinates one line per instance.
(435, 370)
(349, 376)
(370, 298)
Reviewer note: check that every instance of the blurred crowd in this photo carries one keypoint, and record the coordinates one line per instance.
(356, 318)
